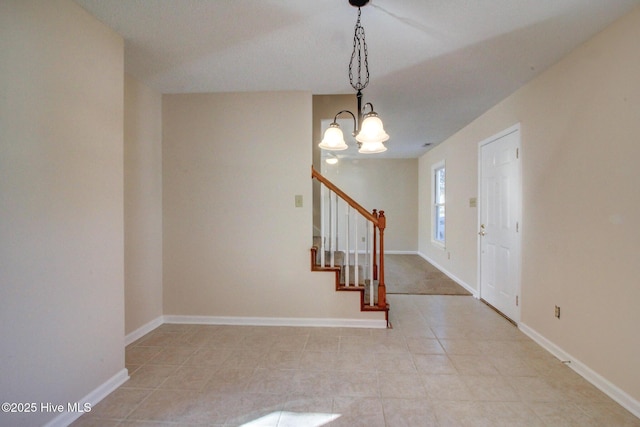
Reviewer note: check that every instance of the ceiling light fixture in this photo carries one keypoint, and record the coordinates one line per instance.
(367, 127)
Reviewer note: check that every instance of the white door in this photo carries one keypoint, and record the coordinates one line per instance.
(499, 222)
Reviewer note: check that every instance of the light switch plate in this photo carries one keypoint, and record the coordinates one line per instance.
(298, 200)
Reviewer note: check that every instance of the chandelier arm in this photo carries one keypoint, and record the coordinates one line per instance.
(365, 106)
(355, 123)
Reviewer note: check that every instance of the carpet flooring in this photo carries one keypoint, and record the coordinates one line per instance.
(412, 274)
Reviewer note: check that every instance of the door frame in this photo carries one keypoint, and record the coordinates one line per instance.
(512, 129)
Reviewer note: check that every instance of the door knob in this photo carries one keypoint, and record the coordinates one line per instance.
(482, 233)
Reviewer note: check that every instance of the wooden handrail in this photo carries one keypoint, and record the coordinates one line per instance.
(330, 185)
(379, 222)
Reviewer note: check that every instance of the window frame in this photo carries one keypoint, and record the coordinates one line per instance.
(436, 206)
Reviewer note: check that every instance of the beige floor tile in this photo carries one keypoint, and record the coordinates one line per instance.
(172, 355)
(322, 343)
(132, 368)
(118, 404)
(473, 365)
(490, 388)
(401, 385)
(87, 421)
(184, 407)
(434, 364)
(253, 407)
(281, 359)
(127, 423)
(415, 330)
(534, 389)
(563, 414)
(317, 384)
(511, 414)
(139, 355)
(609, 413)
(290, 342)
(449, 361)
(150, 376)
(394, 363)
(187, 378)
(461, 347)
(161, 338)
(420, 345)
(309, 404)
(271, 381)
(461, 414)
(355, 362)
(446, 387)
(354, 384)
(358, 412)
(229, 381)
(409, 412)
(209, 356)
(318, 360)
(512, 366)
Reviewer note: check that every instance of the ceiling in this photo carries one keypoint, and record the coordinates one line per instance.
(435, 65)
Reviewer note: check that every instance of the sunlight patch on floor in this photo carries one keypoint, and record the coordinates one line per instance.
(290, 419)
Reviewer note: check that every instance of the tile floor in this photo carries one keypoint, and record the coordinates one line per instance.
(448, 361)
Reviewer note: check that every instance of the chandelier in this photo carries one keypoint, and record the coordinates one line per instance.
(367, 127)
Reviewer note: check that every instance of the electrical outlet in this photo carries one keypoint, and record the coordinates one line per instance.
(363, 240)
(448, 255)
(557, 312)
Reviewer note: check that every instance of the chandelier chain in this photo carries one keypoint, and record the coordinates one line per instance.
(360, 54)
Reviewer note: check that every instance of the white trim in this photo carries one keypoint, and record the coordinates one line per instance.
(143, 330)
(451, 276)
(93, 398)
(277, 321)
(604, 385)
(386, 252)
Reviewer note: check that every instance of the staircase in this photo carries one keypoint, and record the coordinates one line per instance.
(351, 245)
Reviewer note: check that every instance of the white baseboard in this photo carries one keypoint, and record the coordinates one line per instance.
(276, 321)
(451, 276)
(611, 390)
(91, 399)
(401, 252)
(143, 330)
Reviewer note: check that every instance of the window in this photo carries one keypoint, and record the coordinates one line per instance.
(438, 203)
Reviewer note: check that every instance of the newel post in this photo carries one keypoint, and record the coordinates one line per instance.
(382, 289)
(375, 258)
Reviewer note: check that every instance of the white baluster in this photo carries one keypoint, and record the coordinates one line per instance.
(346, 243)
(371, 265)
(356, 279)
(332, 224)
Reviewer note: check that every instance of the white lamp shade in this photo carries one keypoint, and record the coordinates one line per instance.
(372, 130)
(372, 147)
(333, 139)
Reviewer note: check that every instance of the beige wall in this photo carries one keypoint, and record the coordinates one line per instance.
(580, 235)
(459, 256)
(234, 242)
(390, 185)
(61, 205)
(142, 204)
